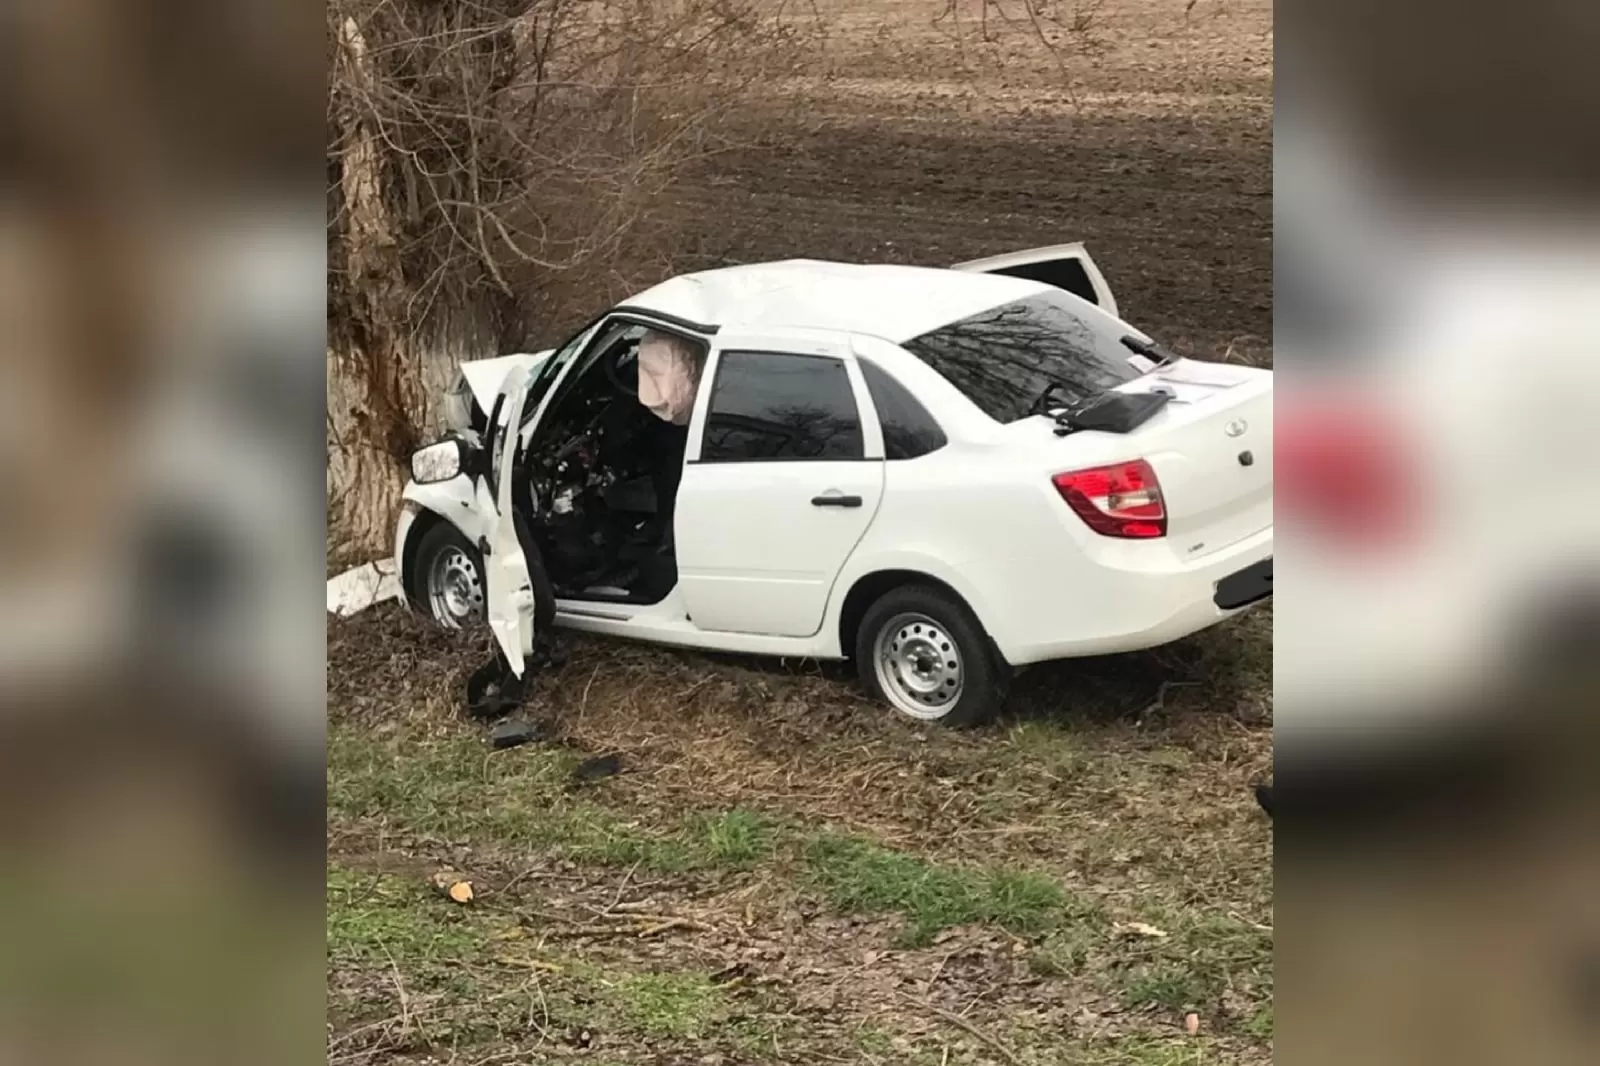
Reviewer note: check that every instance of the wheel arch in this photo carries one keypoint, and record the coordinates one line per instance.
(425, 507)
(424, 523)
(868, 588)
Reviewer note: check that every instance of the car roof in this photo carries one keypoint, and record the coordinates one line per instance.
(896, 303)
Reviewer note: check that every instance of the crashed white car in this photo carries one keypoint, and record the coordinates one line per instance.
(943, 474)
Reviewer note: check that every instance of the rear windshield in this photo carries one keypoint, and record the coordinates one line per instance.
(1004, 358)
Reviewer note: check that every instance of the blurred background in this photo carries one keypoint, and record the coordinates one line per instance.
(161, 679)
(1437, 327)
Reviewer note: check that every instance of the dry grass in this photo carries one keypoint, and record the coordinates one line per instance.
(773, 825)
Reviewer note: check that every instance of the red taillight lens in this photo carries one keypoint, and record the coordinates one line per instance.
(1344, 471)
(1123, 500)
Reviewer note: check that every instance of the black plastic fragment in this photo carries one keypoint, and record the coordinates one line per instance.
(494, 690)
(1114, 412)
(596, 768)
(516, 732)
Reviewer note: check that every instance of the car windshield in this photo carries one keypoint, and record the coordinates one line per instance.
(550, 369)
(1004, 359)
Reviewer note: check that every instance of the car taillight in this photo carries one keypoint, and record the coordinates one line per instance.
(1344, 472)
(1122, 500)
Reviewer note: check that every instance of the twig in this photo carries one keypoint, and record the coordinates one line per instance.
(1160, 701)
(937, 970)
(515, 881)
(1254, 925)
(670, 923)
(623, 887)
(961, 1023)
(531, 964)
(400, 990)
(583, 703)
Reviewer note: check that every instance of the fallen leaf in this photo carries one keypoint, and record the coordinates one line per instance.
(1140, 929)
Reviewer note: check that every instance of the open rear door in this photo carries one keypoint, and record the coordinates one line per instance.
(1066, 266)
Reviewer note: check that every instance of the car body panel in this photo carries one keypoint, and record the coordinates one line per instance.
(757, 552)
(487, 378)
(508, 586)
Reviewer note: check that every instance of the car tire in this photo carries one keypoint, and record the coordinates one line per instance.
(922, 651)
(449, 578)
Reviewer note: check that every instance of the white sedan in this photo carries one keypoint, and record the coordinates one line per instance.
(943, 474)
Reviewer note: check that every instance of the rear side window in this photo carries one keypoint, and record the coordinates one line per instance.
(909, 430)
(1005, 358)
(770, 407)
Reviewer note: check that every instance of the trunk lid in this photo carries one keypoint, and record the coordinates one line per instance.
(1211, 449)
(1210, 446)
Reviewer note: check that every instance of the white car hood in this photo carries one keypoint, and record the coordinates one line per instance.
(486, 376)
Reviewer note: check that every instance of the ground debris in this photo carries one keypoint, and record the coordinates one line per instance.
(453, 885)
(1141, 929)
(598, 767)
(519, 731)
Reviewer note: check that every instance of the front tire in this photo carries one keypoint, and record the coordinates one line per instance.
(450, 578)
(923, 651)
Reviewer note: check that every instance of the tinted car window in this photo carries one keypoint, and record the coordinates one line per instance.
(1004, 358)
(767, 407)
(908, 429)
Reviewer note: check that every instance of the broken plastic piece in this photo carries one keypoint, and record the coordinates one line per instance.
(494, 690)
(599, 766)
(359, 588)
(516, 732)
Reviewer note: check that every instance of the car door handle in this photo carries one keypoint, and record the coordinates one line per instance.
(835, 500)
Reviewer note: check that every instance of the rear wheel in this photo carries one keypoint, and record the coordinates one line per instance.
(924, 652)
(450, 577)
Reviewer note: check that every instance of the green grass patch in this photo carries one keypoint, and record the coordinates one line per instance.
(874, 1041)
(379, 918)
(859, 876)
(735, 838)
(454, 788)
(1150, 1051)
(1190, 968)
(1171, 986)
(404, 933)
(683, 1005)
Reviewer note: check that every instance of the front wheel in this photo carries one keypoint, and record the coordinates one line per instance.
(923, 651)
(451, 574)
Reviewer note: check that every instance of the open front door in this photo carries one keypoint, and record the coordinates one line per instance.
(1066, 266)
(508, 585)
